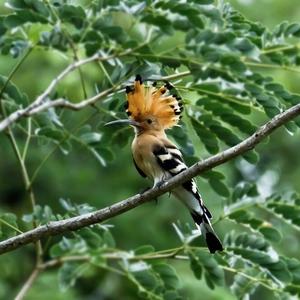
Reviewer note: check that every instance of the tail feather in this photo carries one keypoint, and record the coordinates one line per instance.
(212, 241)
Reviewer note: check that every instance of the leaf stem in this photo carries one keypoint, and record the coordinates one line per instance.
(265, 283)
(11, 226)
(272, 66)
(281, 48)
(25, 150)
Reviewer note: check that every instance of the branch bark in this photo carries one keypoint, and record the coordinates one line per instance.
(42, 99)
(43, 103)
(74, 223)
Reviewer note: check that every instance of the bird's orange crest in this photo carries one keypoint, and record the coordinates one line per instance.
(151, 101)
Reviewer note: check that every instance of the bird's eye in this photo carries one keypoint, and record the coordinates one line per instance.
(149, 121)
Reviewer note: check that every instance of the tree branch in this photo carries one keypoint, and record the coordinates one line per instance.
(43, 97)
(84, 103)
(74, 223)
(43, 103)
(27, 285)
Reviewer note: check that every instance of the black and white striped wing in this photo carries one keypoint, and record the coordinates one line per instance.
(170, 160)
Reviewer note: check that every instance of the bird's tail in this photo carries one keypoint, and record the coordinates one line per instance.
(212, 240)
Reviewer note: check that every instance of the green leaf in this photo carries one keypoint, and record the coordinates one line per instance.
(196, 266)
(203, 2)
(243, 286)
(105, 153)
(159, 20)
(120, 138)
(92, 238)
(8, 225)
(238, 122)
(251, 156)
(269, 103)
(108, 239)
(69, 273)
(51, 133)
(23, 16)
(196, 21)
(244, 189)
(201, 260)
(98, 157)
(219, 187)
(207, 137)
(144, 250)
(243, 109)
(168, 275)
(285, 210)
(224, 134)
(293, 29)
(68, 246)
(171, 295)
(180, 134)
(13, 92)
(271, 233)
(293, 265)
(256, 250)
(2, 27)
(211, 174)
(73, 14)
(91, 138)
(146, 279)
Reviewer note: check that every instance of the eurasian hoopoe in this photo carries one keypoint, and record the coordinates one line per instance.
(151, 111)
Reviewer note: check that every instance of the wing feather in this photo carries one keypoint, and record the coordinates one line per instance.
(170, 159)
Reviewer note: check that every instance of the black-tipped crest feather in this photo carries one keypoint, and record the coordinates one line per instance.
(151, 101)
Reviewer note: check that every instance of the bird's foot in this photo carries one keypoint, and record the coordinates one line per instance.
(159, 184)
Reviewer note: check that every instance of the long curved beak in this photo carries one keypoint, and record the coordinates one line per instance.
(123, 122)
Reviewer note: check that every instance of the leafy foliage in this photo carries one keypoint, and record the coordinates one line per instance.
(218, 61)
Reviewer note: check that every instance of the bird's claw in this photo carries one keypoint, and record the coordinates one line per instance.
(159, 184)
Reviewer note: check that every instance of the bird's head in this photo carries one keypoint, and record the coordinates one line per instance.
(150, 108)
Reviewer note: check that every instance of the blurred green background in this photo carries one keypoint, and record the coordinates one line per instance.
(79, 177)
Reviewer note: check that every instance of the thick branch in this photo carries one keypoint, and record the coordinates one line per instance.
(58, 227)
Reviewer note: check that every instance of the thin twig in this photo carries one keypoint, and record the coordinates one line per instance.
(164, 254)
(25, 150)
(70, 224)
(28, 187)
(27, 285)
(14, 70)
(43, 100)
(47, 156)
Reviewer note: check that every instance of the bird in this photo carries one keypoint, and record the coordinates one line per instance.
(151, 111)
